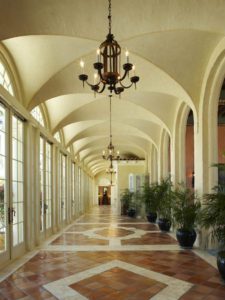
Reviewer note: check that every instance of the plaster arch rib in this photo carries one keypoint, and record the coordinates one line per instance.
(206, 176)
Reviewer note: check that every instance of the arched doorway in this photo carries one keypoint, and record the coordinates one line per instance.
(189, 151)
(221, 134)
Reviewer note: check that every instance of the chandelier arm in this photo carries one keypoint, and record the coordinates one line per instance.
(124, 75)
(115, 89)
(91, 85)
(96, 85)
(100, 75)
(102, 90)
(124, 86)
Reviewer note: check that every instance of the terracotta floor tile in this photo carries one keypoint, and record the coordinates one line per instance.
(151, 239)
(77, 239)
(116, 283)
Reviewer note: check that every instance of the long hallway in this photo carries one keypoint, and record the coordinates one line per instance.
(103, 256)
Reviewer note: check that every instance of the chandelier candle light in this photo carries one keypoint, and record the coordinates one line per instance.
(110, 153)
(108, 66)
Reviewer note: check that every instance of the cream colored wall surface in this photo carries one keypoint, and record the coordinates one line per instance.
(125, 170)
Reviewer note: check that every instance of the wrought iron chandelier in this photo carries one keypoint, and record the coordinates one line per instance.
(108, 66)
(110, 153)
(111, 171)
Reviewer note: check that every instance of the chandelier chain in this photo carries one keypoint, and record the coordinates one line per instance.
(110, 17)
(110, 120)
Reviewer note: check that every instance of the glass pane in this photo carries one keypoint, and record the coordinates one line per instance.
(2, 240)
(2, 167)
(20, 151)
(57, 136)
(2, 118)
(20, 130)
(2, 143)
(15, 192)
(41, 162)
(14, 150)
(10, 89)
(20, 191)
(2, 215)
(14, 127)
(15, 213)
(2, 69)
(21, 234)
(14, 170)
(15, 234)
(1, 79)
(20, 212)
(2, 191)
(6, 76)
(20, 171)
(37, 114)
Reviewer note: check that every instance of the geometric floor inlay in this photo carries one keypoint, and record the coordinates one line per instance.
(114, 232)
(117, 282)
(103, 256)
(166, 287)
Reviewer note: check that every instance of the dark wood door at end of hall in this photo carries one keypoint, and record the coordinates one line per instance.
(104, 195)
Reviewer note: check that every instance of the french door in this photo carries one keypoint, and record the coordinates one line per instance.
(45, 188)
(73, 191)
(62, 190)
(12, 242)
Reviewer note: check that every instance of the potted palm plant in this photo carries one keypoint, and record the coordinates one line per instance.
(186, 214)
(164, 195)
(150, 200)
(126, 198)
(213, 217)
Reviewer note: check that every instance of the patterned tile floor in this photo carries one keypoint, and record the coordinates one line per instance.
(104, 257)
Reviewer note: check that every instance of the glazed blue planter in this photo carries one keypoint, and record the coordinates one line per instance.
(152, 217)
(186, 238)
(131, 212)
(221, 263)
(164, 224)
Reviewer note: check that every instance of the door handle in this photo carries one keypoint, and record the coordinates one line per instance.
(45, 208)
(11, 214)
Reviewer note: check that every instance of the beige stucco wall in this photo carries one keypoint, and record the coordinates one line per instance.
(124, 171)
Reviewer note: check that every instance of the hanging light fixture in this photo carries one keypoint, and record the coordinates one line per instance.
(110, 153)
(108, 64)
(111, 171)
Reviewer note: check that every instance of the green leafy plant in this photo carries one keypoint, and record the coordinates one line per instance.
(136, 201)
(213, 214)
(164, 196)
(126, 198)
(186, 208)
(150, 197)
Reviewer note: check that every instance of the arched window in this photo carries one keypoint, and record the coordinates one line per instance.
(5, 80)
(57, 136)
(37, 114)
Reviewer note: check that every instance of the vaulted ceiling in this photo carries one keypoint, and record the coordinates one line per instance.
(170, 42)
